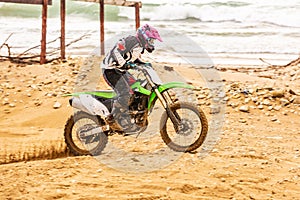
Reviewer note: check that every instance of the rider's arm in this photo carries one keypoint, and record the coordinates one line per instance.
(139, 61)
(126, 47)
(136, 53)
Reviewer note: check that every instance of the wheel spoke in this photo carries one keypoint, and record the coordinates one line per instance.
(83, 134)
(190, 133)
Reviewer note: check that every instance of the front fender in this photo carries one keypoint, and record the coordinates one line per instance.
(165, 87)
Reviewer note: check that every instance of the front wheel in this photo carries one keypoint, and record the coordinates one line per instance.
(189, 133)
(83, 134)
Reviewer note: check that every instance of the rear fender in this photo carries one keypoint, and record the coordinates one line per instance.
(89, 104)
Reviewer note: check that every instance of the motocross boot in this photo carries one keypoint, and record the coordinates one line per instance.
(110, 119)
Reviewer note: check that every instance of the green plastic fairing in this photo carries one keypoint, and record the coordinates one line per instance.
(137, 86)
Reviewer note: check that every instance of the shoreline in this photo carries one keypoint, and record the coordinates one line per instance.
(218, 59)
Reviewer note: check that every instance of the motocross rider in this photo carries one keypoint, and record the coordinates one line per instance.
(127, 50)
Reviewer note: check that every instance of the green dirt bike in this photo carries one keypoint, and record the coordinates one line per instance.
(183, 125)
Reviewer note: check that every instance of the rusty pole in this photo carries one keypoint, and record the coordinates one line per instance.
(102, 26)
(44, 32)
(137, 15)
(62, 31)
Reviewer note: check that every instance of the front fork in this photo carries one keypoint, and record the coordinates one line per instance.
(165, 101)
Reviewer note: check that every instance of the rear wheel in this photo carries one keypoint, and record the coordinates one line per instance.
(191, 131)
(83, 134)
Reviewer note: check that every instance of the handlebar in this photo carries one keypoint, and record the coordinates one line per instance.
(139, 66)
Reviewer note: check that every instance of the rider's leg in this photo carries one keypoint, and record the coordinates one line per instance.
(118, 80)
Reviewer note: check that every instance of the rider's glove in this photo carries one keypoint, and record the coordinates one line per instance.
(128, 65)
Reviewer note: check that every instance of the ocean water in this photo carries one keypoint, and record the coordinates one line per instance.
(231, 32)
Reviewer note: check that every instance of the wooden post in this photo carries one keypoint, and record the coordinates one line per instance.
(62, 31)
(137, 15)
(44, 32)
(102, 26)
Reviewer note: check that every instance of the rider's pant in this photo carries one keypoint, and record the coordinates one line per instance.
(120, 81)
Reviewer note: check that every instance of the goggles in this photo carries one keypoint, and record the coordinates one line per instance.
(151, 41)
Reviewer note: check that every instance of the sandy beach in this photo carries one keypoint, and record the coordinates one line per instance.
(257, 156)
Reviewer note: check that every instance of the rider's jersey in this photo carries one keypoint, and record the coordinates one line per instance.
(126, 49)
